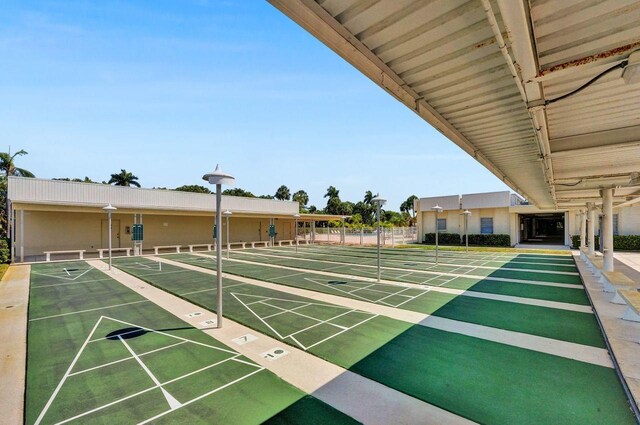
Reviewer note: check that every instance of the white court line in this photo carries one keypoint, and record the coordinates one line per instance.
(173, 336)
(70, 283)
(259, 318)
(283, 310)
(204, 395)
(85, 311)
(62, 277)
(66, 374)
(341, 332)
(320, 322)
(142, 392)
(212, 289)
(357, 267)
(126, 358)
(171, 400)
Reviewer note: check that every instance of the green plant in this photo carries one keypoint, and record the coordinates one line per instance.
(5, 254)
(479, 240)
(575, 241)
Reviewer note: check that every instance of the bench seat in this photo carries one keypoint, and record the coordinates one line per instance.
(612, 280)
(200, 245)
(632, 298)
(265, 243)
(242, 244)
(290, 243)
(101, 251)
(69, 251)
(176, 247)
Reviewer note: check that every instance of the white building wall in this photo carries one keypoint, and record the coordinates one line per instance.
(628, 220)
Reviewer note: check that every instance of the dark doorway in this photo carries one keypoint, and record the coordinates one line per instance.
(544, 229)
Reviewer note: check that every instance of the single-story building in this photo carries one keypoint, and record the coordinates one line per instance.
(53, 215)
(507, 213)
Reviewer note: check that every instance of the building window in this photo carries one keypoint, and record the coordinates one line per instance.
(486, 225)
(442, 225)
(615, 224)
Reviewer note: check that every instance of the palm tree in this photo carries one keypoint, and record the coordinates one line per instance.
(368, 196)
(124, 178)
(407, 206)
(8, 165)
(332, 192)
(302, 198)
(283, 193)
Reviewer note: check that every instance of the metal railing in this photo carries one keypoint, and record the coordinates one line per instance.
(390, 236)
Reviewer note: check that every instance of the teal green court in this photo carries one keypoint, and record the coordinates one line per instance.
(99, 352)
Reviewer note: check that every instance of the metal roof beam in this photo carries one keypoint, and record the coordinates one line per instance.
(312, 17)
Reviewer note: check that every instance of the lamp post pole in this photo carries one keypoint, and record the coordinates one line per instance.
(466, 213)
(379, 203)
(109, 209)
(344, 235)
(437, 209)
(296, 216)
(219, 178)
(227, 214)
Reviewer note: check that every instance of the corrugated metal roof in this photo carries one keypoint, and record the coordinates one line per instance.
(57, 192)
(443, 60)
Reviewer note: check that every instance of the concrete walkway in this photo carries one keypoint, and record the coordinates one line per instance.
(14, 305)
(361, 398)
(583, 353)
(623, 335)
(485, 295)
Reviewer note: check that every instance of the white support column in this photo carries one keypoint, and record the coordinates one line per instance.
(583, 229)
(591, 228)
(22, 236)
(607, 229)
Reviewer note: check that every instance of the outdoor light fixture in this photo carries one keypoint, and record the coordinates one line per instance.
(219, 178)
(296, 216)
(109, 209)
(466, 213)
(631, 73)
(227, 214)
(437, 209)
(379, 202)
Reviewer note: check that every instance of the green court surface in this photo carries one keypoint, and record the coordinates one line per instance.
(100, 353)
(481, 380)
(565, 325)
(340, 335)
(427, 258)
(570, 293)
(342, 256)
(506, 287)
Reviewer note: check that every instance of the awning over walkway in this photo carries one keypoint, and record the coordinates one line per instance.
(490, 75)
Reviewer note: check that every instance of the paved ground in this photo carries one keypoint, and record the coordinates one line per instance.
(312, 334)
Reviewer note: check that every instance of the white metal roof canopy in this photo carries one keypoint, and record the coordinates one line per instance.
(486, 73)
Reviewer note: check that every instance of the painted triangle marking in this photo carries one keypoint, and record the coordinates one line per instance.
(173, 403)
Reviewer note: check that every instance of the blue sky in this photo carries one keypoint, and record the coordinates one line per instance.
(168, 89)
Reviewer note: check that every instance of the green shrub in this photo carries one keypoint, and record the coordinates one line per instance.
(5, 254)
(575, 241)
(626, 242)
(479, 240)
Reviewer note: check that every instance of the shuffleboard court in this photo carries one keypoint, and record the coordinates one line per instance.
(340, 256)
(551, 292)
(100, 353)
(572, 326)
(532, 387)
(427, 258)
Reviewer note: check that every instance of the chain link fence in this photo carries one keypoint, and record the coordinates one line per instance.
(390, 236)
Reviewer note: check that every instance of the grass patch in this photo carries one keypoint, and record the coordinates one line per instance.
(486, 249)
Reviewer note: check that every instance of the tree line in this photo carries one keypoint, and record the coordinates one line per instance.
(361, 213)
